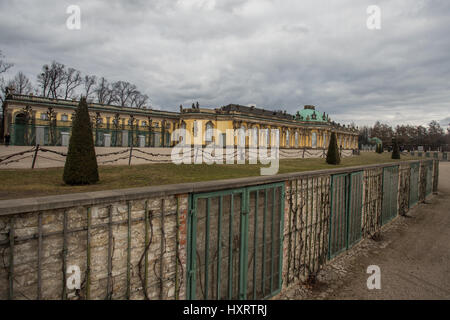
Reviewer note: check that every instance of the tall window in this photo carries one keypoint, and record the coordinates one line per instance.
(296, 139)
(314, 140)
(255, 137)
(275, 133)
(195, 128)
(241, 136)
(287, 138)
(183, 132)
(209, 132)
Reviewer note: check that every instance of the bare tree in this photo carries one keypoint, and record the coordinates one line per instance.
(123, 91)
(89, 83)
(21, 84)
(72, 80)
(43, 80)
(4, 66)
(104, 92)
(139, 100)
(51, 79)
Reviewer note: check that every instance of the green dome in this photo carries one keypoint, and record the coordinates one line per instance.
(310, 114)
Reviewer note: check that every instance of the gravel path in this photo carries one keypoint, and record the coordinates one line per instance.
(413, 256)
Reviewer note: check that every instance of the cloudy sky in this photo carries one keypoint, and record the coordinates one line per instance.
(277, 54)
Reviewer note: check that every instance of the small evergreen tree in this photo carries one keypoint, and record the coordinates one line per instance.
(379, 148)
(395, 149)
(333, 156)
(81, 162)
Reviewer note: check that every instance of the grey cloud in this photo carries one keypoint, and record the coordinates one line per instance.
(279, 54)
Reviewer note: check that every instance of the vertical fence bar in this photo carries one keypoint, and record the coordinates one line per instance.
(109, 262)
(255, 243)
(230, 251)
(128, 292)
(322, 223)
(192, 236)
(208, 206)
(177, 249)
(306, 228)
(64, 256)
(39, 275)
(296, 215)
(348, 199)
(219, 246)
(88, 256)
(314, 220)
(330, 223)
(244, 248)
(162, 249)
(11, 259)
(264, 245)
(272, 231)
(291, 205)
(281, 224)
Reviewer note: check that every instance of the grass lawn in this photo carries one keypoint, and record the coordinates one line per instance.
(24, 183)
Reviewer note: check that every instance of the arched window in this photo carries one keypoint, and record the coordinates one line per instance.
(209, 131)
(296, 139)
(183, 132)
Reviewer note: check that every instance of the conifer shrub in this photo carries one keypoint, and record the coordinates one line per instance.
(333, 156)
(395, 149)
(81, 163)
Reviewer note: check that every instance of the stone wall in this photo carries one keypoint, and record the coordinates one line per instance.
(109, 245)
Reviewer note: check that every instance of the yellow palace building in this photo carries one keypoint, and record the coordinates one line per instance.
(32, 120)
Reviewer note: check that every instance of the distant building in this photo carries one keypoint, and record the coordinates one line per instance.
(34, 120)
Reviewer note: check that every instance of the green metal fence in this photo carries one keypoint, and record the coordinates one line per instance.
(28, 135)
(429, 177)
(414, 184)
(346, 208)
(390, 193)
(242, 257)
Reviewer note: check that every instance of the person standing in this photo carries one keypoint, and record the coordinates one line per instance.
(7, 139)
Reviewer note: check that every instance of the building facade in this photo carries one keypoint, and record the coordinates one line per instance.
(32, 120)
